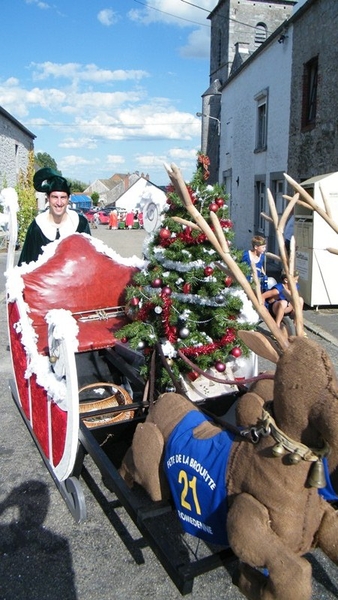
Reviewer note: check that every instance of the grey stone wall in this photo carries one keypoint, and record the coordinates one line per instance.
(15, 145)
(233, 21)
(315, 151)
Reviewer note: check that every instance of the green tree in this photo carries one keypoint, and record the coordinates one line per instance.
(27, 198)
(95, 198)
(182, 300)
(43, 159)
(76, 185)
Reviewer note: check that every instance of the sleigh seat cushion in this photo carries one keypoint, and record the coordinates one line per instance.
(84, 281)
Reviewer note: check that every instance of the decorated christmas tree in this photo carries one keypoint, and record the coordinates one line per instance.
(185, 304)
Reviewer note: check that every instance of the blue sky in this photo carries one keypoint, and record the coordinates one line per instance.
(108, 86)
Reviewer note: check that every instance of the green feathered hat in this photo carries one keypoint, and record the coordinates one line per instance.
(47, 180)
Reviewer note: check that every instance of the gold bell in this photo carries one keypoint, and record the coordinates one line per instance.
(317, 477)
(52, 359)
(295, 458)
(278, 450)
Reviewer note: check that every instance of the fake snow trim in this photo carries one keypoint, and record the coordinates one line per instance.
(9, 200)
(64, 327)
(37, 364)
(49, 251)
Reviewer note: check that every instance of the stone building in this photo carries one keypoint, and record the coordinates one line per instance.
(111, 189)
(238, 28)
(254, 137)
(279, 113)
(15, 144)
(313, 139)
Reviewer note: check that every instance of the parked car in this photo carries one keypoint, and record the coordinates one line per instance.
(80, 211)
(103, 216)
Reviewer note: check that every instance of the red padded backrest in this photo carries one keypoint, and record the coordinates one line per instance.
(77, 278)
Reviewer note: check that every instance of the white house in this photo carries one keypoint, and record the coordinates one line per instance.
(254, 136)
(141, 193)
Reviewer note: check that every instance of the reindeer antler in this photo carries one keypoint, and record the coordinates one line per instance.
(218, 241)
(309, 202)
(288, 265)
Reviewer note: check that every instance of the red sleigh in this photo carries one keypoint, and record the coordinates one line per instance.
(63, 313)
(46, 340)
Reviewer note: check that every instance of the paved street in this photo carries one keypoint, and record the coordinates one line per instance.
(47, 556)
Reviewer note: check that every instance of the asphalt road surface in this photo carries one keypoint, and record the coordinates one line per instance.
(45, 555)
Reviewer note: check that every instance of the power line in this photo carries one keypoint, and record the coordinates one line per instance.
(195, 6)
(222, 16)
(171, 15)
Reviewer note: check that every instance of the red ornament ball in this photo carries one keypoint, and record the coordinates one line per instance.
(157, 282)
(213, 207)
(220, 366)
(134, 301)
(219, 202)
(208, 271)
(187, 288)
(236, 352)
(192, 375)
(166, 291)
(228, 281)
(165, 234)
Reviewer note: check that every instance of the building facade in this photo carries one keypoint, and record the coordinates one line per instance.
(254, 139)
(279, 113)
(313, 145)
(111, 189)
(15, 144)
(238, 28)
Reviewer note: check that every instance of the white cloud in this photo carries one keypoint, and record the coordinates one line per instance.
(38, 3)
(107, 17)
(79, 72)
(94, 115)
(181, 154)
(20, 101)
(149, 121)
(76, 161)
(181, 14)
(185, 159)
(198, 44)
(114, 160)
(79, 142)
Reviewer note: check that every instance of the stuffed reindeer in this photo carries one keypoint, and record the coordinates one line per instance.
(255, 489)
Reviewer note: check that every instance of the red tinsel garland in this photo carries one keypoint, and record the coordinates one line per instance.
(227, 338)
(144, 312)
(170, 331)
(186, 237)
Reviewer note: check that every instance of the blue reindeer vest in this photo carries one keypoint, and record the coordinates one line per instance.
(196, 474)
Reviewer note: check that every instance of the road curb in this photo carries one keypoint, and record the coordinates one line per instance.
(317, 330)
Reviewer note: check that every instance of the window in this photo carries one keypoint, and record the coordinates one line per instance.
(262, 121)
(219, 49)
(310, 80)
(260, 206)
(260, 34)
(17, 167)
